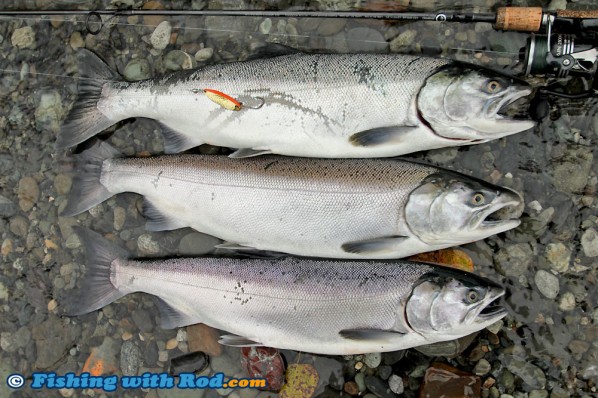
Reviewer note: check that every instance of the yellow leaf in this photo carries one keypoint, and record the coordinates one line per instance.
(301, 381)
(453, 258)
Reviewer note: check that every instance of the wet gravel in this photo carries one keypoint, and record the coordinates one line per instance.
(546, 347)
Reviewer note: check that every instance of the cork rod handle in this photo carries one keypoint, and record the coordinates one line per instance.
(528, 19)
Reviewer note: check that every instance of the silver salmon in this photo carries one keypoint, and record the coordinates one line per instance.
(319, 306)
(344, 208)
(311, 105)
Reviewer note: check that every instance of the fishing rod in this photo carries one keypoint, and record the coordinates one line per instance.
(568, 44)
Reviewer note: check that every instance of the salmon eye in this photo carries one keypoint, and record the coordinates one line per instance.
(472, 296)
(493, 87)
(478, 199)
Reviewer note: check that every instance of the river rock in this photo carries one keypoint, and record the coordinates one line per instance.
(558, 256)
(444, 380)
(514, 260)
(547, 283)
(204, 338)
(589, 242)
(137, 69)
(161, 35)
(23, 37)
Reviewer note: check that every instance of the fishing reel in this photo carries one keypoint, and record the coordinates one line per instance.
(564, 54)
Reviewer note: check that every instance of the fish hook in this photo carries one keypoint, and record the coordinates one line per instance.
(262, 102)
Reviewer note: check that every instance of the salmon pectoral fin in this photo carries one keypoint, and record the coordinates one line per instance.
(249, 252)
(376, 245)
(171, 317)
(157, 220)
(372, 335)
(238, 341)
(381, 135)
(248, 153)
(175, 142)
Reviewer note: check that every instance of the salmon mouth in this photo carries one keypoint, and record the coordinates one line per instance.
(499, 216)
(490, 311)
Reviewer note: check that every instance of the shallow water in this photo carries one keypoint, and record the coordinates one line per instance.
(553, 166)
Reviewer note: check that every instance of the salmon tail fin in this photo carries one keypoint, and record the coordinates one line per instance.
(87, 189)
(97, 289)
(85, 119)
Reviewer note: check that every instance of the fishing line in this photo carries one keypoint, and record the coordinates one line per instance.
(109, 22)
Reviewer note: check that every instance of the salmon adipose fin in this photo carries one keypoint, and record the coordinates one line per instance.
(97, 289)
(85, 120)
(87, 190)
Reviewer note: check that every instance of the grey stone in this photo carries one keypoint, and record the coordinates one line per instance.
(204, 54)
(384, 372)
(143, 320)
(365, 40)
(28, 193)
(131, 358)
(330, 27)
(528, 372)
(558, 392)
(23, 37)
(266, 26)
(396, 384)
(73, 241)
(19, 226)
(495, 327)
(558, 256)
(390, 358)
(48, 112)
(330, 372)
(138, 69)
(147, 246)
(547, 283)
(196, 243)
(571, 174)
(379, 388)
(557, 5)
(403, 42)
(53, 340)
(224, 364)
(578, 346)
(567, 302)
(161, 35)
(360, 381)
(589, 242)
(482, 367)
(63, 183)
(11, 342)
(373, 359)
(177, 60)
(538, 394)
(514, 260)
(448, 349)
(120, 215)
(7, 207)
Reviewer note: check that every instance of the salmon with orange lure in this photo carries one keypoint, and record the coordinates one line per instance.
(222, 99)
(311, 105)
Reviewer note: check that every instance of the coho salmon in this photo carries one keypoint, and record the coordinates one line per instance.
(343, 208)
(319, 306)
(311, 105)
